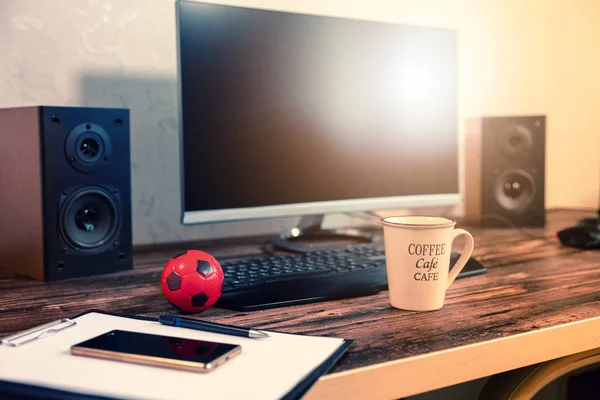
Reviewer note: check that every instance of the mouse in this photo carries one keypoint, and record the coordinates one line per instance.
(586, 235)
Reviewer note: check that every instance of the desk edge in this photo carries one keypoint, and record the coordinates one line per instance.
(425, 372)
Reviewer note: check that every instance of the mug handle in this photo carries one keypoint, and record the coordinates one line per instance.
(464, 257)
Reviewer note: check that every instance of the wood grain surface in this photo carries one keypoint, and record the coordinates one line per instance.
(533, 283)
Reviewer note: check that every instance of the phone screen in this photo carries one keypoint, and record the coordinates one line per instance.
(158, 346)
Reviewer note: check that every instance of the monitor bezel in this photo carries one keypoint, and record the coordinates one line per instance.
(321, 207)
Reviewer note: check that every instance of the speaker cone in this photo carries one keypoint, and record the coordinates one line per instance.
(516, 141)
(514, 190)
(89, 219)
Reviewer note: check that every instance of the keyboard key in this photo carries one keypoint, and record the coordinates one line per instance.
(298, 275)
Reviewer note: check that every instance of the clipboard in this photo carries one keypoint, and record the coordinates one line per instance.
(57, 341)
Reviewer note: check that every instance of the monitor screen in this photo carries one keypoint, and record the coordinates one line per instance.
(292, 114)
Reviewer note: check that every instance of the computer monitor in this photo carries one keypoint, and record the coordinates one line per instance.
(286, 114)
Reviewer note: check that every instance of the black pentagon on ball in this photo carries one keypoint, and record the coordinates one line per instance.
(203, 267)
(173, 281)
(199, 300)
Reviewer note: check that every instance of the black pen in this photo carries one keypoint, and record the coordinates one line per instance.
(211, 327)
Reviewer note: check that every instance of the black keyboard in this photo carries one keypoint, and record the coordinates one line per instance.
(287, 279)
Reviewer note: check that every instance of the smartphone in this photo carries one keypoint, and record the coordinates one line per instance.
(156, 350)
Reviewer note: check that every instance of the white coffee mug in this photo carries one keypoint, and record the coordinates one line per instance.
(417, 253)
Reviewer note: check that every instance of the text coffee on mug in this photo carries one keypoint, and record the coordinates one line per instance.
(417, 253)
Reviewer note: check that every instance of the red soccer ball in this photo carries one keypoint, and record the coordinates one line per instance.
(192, 281)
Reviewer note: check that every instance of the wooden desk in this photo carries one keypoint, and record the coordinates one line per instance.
(538, 301)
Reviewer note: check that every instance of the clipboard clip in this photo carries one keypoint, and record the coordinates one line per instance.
(38, 332)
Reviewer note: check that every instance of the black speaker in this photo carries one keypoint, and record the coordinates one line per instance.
(65, 199)
(505, 171)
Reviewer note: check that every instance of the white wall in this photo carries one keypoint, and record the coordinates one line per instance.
(516, 57)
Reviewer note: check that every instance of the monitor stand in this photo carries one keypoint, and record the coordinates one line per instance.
(299, 239)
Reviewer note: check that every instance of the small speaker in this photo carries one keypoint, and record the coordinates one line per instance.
(505, 171)
(65, 204)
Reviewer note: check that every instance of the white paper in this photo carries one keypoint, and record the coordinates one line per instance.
(265, 369)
